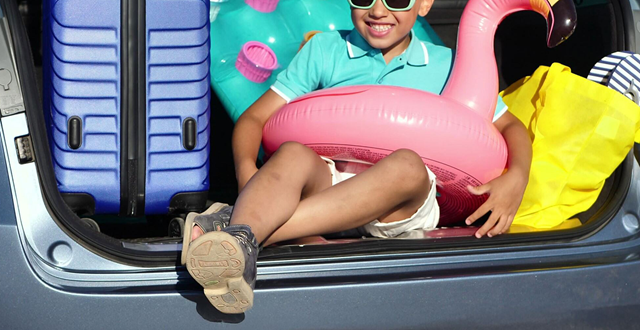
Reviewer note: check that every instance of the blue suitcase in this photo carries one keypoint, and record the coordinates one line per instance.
(126, 99)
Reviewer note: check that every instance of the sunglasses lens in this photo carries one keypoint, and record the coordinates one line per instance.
(361, 3)
(398, 4)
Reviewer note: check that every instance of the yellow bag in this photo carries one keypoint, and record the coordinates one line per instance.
(581, 132)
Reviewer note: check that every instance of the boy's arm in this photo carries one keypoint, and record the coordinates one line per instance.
(247, 135)
(506, 191)
(302, 75)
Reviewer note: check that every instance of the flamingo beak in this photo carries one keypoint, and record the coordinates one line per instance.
(561, 21)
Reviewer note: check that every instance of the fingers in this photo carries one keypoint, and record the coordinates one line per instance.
(482, 210)
(488, 225)
(479, 190)
(501, 216)
(495, 225)
(508, 224)
(497, 229)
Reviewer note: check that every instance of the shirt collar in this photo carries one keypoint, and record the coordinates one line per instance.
(417, 53)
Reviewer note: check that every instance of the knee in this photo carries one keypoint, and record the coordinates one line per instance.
(408, 171)
(295, 153)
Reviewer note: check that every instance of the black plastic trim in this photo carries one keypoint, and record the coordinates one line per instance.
(189, 133)
(188, 202)
(133, 108)
(142, 106)
(74, 132)
(80, 203)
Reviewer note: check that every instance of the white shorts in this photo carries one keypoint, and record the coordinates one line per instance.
(426, 218)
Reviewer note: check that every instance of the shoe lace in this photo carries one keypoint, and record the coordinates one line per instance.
(244, 239)
(225, 216)
(222, 218)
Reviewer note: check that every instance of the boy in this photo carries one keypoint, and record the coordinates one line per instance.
(298, 194)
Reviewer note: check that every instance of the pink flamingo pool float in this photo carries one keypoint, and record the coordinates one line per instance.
(452, 132)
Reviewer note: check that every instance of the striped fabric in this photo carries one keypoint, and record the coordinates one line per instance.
(602, 71)
(626, 77)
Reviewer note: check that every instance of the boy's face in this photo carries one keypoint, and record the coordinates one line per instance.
(384, 29)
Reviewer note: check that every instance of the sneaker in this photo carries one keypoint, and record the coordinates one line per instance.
(224, 263)
(214, 221)
(216, 217)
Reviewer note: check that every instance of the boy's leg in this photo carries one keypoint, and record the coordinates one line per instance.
(270, 198)
(272, 195)
(391, 190)
(224, 262)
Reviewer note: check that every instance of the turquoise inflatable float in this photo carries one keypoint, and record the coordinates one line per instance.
(234, 23)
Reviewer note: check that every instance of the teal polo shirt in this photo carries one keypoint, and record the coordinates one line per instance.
(344, 58)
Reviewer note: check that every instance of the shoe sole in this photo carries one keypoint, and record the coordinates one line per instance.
(216, 261)
(188, 228)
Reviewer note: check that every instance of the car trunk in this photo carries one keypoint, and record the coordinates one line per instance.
(520, 49)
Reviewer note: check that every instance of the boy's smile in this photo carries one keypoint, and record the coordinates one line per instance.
(379, 30)
(388, 30)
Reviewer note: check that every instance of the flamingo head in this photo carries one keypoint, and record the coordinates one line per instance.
(561, 19)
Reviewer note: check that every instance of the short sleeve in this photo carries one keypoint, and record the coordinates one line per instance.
(304, 73)
(501, 108)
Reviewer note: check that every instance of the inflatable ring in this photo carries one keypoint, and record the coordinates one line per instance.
(452, 132)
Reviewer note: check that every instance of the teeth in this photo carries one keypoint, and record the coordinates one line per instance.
(381, 27)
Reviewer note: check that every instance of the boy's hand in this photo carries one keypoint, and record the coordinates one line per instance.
(505, 195)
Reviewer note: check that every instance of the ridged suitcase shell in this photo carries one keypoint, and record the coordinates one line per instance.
(82, 71)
